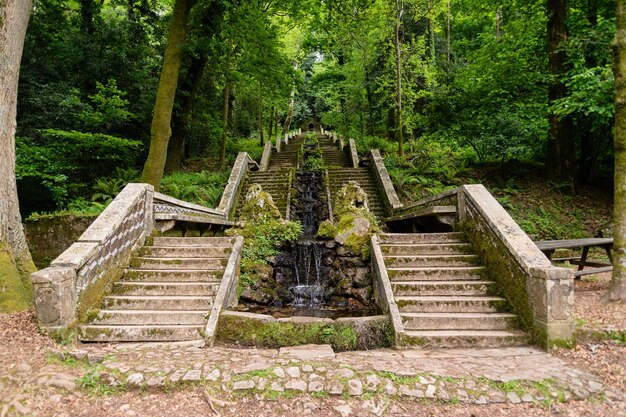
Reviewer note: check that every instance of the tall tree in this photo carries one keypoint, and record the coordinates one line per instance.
(15, 259)
(398, 26)
(160, 130)
(618, 285)
(561, 161)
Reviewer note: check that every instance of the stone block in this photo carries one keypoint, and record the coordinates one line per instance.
(55, 296)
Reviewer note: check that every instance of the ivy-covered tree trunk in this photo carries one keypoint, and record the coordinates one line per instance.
(15, 260)
(191, 84)
(261, 127)
(270, 128)
(160, 129)
(400, 124)
(225, 121)
(292, 102)
(561, 158)
(618, 285)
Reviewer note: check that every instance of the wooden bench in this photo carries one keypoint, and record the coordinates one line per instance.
(548, 247)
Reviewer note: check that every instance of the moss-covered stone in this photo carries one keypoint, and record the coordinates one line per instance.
(355, 224)
(357, 333)
(16, 293)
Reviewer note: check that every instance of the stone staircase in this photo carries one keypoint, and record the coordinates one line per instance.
(443, 294)
(332, 155)
(276, 183)
(165, 295)
(288, 156)
(338, 177)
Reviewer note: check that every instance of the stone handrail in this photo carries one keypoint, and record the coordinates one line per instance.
(77, 279)
(267, 155)
(226, 296)
(390, 198)
(237, 175)
(539, 293)
(170, 208)
(383, 291)
(446, 198)
(354, 156)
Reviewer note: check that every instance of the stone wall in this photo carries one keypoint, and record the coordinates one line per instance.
(48, 237)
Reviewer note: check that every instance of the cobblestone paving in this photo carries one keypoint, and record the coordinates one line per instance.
(471, 375)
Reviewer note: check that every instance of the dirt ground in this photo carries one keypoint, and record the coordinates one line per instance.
(21, 343)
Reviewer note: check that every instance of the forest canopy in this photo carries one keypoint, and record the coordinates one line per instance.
(437, 85)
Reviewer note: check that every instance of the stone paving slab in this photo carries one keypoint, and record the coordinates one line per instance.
(476, 376)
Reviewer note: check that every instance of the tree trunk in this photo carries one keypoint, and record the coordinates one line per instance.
(270, 123)
(160, 129)
(449, 33)
(560, 163)
(400, 127)
(225, 112)
(618, 284)
(176, 146)
(233, 108)
(499, 23)
(261, 127)
(15, 260)
(292, 101)
(276, 123)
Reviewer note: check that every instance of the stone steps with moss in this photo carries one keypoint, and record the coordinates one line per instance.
(458, 321)
(275, 183)
(443, 293)
(166, 294)
(141, 333)
(465, 338)
(337, 178)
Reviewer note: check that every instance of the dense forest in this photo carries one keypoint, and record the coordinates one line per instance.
(437, 85)
(168, 91)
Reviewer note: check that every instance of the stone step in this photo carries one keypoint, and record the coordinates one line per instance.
(450, 304)
(158, 333)
(186, 251)
(194, 241)
(455, 288)
(411, 238)
(178, 263)
(165, 288)
(463, 273)
(157, 302)
(457, 321)
(465, 338)
(426, 248)
(151, 317)
(399, 261)
(174, 275)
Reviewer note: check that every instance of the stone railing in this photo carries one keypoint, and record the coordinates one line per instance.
(235, 181)
(169, 208)
(540, 294)
(76, 280)
(354, 156)
(383, 181)
(383, 292)
(226, 296)
(267, 155)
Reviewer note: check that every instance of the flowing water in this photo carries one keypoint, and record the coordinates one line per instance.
(307, 288)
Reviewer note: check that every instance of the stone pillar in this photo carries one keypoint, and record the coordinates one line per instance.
(54, 292)
(551, 295)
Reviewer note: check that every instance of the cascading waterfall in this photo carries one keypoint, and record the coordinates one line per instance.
(308, 290)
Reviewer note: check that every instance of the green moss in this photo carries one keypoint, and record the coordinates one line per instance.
(16, 294)
(342, 336)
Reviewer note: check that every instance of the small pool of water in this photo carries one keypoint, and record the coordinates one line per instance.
(321, 312)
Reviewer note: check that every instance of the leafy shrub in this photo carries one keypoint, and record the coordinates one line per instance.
(204, 188)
